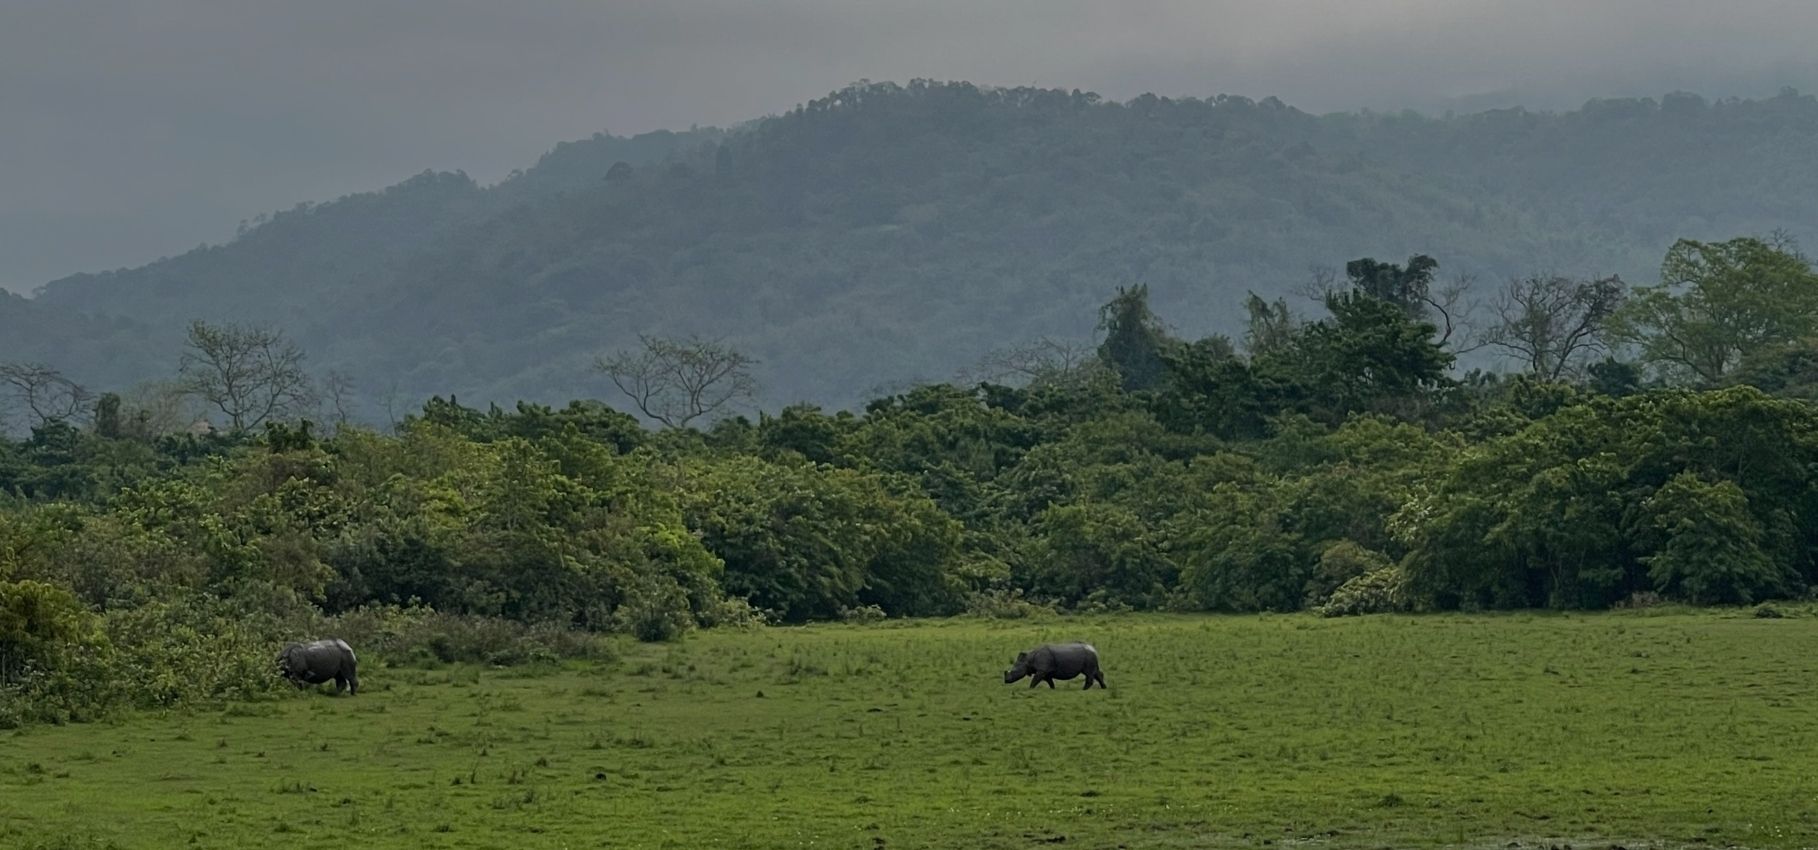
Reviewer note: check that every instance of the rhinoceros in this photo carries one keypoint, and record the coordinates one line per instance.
(319, 661)
(1052, 661)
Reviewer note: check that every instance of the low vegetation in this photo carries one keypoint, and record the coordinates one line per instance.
(1658, 727)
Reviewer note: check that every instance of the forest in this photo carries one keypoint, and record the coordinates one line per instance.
(892, 234)
(1651, 443)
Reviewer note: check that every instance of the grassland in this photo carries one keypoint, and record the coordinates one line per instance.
(1627, 729)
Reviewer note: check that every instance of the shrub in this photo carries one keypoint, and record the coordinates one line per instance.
(1382, 591)
(655, 609)
(1340, 563)
(168, 653)
(733, 612)
(1641, 599)
(1709, 544)
(416, 635)
(1004, 605)
(38, 622)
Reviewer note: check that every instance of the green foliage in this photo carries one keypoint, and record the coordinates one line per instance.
(38, 624)
(1408, 288)
(1720, 303)
(1380, 591)
(1572, 510)
(1239, 556)
(1096, 554)
(1370, 356)
(190, 649)
(1709, 546)
(809, 541)
(1339, 568)
(1134, 341)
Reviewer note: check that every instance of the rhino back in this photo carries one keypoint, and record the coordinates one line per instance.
(1067, 659)
(325, 658)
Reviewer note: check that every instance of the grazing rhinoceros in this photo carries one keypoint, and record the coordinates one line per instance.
(314, 663)
(1052, 661)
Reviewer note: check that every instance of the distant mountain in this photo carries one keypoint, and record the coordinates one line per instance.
(889, 232)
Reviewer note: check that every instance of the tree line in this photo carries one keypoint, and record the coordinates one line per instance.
(1653, 443)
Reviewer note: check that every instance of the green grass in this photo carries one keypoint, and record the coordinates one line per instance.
(1630, 729)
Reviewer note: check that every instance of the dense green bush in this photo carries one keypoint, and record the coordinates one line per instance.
(1380, 591)
(1339, 565)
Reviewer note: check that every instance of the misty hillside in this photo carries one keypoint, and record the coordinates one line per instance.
(888, 233)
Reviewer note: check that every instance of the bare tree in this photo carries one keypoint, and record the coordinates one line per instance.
(676, 382)
(250, 373)
(1044, 361)
(391, 407)
(1448, 304)
(43, 392)
(1321, 284)
(155, 408)
(338, 386)
(1552, 324)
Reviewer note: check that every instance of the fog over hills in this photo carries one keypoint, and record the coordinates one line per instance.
(892, 232)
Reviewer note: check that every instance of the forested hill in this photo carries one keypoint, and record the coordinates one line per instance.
(888, 232)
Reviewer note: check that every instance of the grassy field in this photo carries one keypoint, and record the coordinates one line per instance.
(1629, 729)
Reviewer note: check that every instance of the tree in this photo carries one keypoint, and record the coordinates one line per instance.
(676, 382)
(1719, 302)
(1043, 362)
(1410, 288)
(1134, 339)
(1552, 323)
(1708, 546)
(156, 408)
(108, 423)
(1407, 287)
(43, 392)
(1370, 355)
(252, 374)
(1271, 327)
(339, 387)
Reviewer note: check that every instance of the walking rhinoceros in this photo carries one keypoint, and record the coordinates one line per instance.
(1052, 661)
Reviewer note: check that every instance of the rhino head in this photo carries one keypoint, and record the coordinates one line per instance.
(1018, 668)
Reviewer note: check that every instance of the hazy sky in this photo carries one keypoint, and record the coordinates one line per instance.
(131, 129)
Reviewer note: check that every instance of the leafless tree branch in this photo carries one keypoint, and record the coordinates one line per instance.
(676, 382)
(43, 392)
(251, 374)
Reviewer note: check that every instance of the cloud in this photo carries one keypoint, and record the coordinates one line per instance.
(141, 127)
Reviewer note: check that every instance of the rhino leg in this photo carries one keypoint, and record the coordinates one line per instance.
(1034, 679)
(1100, 676)
(1051, 681)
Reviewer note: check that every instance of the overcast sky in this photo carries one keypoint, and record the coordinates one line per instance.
(131, 129)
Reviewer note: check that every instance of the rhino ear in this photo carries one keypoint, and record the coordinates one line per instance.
(1021, 655)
